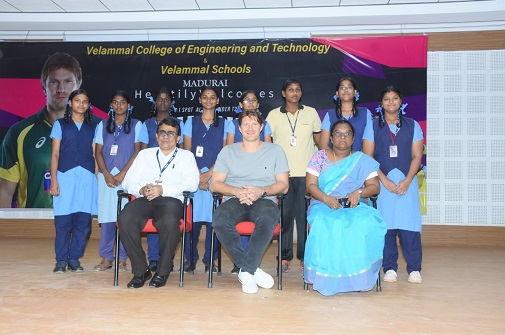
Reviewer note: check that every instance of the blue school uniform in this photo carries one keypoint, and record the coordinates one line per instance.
(78, 188)
(359, 123)
(107, 196)
(402, 213)
(211, 139)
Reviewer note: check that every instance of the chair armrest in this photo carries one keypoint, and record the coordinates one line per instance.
(373, 198)
(122, 194)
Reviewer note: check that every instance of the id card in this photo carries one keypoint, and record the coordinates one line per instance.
(199, 151)
(393, 151)
(113, 150)
(292, 141)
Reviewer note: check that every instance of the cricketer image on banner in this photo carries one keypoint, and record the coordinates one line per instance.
(230, 66)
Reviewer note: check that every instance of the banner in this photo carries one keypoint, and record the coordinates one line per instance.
(231, 66)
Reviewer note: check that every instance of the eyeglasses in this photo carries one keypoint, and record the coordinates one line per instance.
(122, 102)
(250, 100)
(169, 134)
(163, 99)
(346, 88)
(339, 134)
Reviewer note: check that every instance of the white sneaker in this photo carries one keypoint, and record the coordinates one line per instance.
(390, 276)
(415, 277)
(248, 282)
(263, 279)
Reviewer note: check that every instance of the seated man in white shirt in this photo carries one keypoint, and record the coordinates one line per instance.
(249, 174)
(158, 177)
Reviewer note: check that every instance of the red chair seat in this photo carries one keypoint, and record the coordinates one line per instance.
(149, 228)
(247, 228)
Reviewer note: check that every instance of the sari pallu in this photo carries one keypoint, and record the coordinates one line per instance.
(344, 249)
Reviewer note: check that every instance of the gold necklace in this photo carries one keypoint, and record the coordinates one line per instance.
(347, 163)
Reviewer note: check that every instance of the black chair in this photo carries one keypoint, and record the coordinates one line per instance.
(308, 197)
(247, 228)
(186, 226)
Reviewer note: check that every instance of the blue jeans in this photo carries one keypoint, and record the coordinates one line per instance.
(263, 212)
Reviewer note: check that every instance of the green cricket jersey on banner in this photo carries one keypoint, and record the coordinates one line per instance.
(26, 159)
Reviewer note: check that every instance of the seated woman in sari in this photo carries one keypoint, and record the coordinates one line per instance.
(343, 252)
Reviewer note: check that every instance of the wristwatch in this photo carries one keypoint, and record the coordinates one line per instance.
(360, 191)
(264, 193)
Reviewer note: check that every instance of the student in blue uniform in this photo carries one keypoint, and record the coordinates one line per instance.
(205, 136)
(163, 106)
(73, 181)
(247, 101)
(117, 145)
(396, 142)
(346, 108)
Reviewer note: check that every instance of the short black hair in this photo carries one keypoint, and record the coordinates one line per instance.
(171, 123)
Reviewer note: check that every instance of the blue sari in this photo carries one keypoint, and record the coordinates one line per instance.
(344, 249)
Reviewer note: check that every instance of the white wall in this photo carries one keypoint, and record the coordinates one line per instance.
(466, 138)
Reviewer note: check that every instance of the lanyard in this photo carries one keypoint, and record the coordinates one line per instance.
(296, 120)
(393, 139)
(116, 136)
(168, 163)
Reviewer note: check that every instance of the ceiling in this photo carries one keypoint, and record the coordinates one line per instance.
(196, 19)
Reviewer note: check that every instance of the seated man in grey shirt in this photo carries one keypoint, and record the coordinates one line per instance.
(249, 174)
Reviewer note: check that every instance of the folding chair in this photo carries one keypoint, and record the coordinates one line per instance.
(186, 226)
(246, 228)
(308, 197)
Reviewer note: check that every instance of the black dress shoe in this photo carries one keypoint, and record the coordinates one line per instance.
(153, 266)
(207, 267)
(137, 282)
(158, 281)
(189, 267)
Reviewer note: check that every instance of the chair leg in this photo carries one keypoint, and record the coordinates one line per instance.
(209, 284)
(183, 243)
(219, 273)
(279, 261)
(379, 287)
(116, 259)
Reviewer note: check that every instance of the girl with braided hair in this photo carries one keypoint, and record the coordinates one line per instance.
(396, 142)
(117, 145)
(73, 181)
(205, 136)
(346, 108)
(162, 107)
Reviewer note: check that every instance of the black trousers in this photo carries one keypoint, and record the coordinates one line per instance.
(294, 208)
(166, 213)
